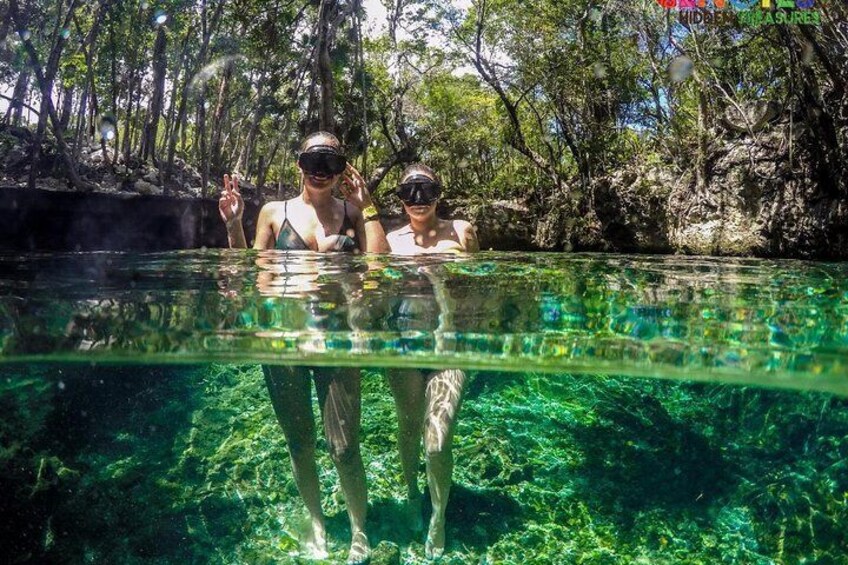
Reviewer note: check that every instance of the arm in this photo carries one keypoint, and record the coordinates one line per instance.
(264, 228)
(369, 230)
(231, 207)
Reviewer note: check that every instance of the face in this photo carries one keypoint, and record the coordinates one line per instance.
(419, 205)
(318, 163)
(420, 211)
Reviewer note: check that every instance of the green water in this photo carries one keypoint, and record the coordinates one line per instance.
(116, 445)
(775, 323)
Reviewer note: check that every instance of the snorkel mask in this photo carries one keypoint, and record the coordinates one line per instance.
(419, 190)
(322, 160)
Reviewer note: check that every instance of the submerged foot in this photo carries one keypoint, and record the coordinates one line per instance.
(434, 547)
(316, 546)
(360, 549)
(413, 514)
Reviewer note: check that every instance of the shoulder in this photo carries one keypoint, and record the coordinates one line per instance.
(403, 230)
(463, 229)
(271, 209)
(273, 206)
(461, 226)
(467, 235)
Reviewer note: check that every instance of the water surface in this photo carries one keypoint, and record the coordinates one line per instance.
(774, 323)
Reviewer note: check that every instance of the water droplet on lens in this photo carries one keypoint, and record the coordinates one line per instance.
(61, 385)
(160, 17)
(596, 15)
(680, 68)
(600, 70)
(24, 34)
(144, 5)
(66, 33)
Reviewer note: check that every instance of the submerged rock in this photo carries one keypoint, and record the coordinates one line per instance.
(386, 553)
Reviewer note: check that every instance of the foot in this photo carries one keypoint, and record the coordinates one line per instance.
(413, 514)
(360, 550)
(316, 546)
(434, 547)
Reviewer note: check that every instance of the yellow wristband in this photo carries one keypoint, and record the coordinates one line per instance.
(370, 213)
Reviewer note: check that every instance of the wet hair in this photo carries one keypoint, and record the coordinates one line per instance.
(321, 138)
(419, 169)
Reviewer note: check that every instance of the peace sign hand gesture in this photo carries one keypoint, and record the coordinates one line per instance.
(231, 204)
(354, 188)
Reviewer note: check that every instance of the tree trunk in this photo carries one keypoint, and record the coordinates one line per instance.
(78, 134)
(156, 101)
(67, 106)
(16, 106)
(324, 69)
(218, 115)
(45, 79)
(44, 85)
(170, 123)
(208, 27)
(245, 157)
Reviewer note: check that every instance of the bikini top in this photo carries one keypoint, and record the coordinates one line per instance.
(289, 239)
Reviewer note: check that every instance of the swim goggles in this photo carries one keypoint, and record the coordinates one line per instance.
(322, 159)
(419, 190)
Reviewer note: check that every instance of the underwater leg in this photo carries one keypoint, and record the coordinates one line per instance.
(443, 399)
(407, 387)
(291, 397)
(339, 396)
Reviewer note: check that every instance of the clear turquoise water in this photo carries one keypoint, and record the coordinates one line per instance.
(773, 323)
(136, 427)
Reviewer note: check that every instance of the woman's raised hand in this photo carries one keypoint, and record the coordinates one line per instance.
(231, 204)
(354, 189)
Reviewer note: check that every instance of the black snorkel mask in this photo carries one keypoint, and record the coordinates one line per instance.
(322, 160)
(419, 190)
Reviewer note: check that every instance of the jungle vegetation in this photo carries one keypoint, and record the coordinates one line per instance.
(508, 99)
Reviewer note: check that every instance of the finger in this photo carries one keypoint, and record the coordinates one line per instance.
(235, 184)
(226, 183)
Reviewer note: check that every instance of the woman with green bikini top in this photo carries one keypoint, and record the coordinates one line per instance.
(316, 221)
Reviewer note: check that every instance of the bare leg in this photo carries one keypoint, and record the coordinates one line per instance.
(408, 390)
(290, 392)
(339, 395)
(443, 398)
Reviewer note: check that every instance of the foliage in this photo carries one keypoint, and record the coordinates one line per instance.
(189, 464)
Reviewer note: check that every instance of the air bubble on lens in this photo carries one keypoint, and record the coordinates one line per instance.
(210, 70)
(600, 70)
(145, 5)
(66, 33)
(680, 68)
(807, 54)
(106, 127)
(24, 34)
(160, 17)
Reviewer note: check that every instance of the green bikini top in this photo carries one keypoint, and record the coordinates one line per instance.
(289, 239)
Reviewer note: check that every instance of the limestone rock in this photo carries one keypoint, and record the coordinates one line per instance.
(144, 187)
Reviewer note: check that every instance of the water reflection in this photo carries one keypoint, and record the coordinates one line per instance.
(766, 322)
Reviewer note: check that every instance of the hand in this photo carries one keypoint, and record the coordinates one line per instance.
(354, 189)
(231, 204)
